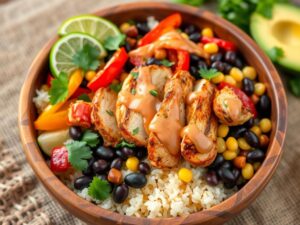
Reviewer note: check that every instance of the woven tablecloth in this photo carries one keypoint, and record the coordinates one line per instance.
(25, 26)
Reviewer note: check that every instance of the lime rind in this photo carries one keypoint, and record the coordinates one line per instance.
(95, 26)
(62, 52)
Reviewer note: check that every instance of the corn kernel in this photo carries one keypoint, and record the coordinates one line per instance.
(185, 36)
(264, 140)
(256, 130)
(132, 163)
(265, 125)
(207, 32)
(248, 171)
(185, 175)
(221, 146)
(240, 162)
(259, 89)
(243, 144)
(236, 74)
(124, 27)
(256, 166)
(254, 98)
(229, 79)
(218, 79)
(232, 144)
(223, 130)
(211, 48)
(249, 72)
(229, 155)
(90, 75)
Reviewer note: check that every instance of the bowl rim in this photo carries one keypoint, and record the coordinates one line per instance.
(224, 210)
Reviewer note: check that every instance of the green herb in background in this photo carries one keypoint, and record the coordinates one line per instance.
(87, 58)
(275, 53)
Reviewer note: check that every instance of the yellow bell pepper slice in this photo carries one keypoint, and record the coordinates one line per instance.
(53, 121)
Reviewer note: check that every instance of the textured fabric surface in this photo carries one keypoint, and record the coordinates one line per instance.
(24, 27)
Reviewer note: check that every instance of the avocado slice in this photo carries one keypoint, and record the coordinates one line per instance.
(282, 31)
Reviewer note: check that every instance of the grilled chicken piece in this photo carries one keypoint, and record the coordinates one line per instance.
(229, 108)
(165, 128)
(103, 116)
(135, 93)
(199, 137)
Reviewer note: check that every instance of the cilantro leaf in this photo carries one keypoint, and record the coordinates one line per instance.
(109, 112)
(78, 154)
(90, 138)
(275, 53)
(87, 58)
(134, 74)
(116, 87)
(99, 189)
(294, 86)
(84, 97)
(208, 73)
(59, 88)
(167, 63)
(114, 42)
(135, 131)
(133, 91)
(153, 92)
(124, 143)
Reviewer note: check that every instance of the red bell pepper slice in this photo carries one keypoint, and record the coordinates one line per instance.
(246, 101)
(183, 60)
(172, 21)
(49, 79)
(112, 69)
(226, 45)
(59, 161)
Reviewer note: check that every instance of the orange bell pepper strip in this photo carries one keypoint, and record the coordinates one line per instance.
(53, 121)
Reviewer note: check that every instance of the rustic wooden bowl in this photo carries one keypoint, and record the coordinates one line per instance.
(254, 56)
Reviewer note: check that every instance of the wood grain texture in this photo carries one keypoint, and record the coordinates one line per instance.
(254, 56)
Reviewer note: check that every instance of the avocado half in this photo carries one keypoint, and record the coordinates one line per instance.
(282, 31)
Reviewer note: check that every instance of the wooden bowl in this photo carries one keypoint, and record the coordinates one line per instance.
(220, 213)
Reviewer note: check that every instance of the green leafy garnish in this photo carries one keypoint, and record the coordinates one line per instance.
(124, 143)
(294, 86)
(134, 74)
(114, 42)
(109, 112)
(78, 154)
(84, 97)
(135, 131)
(167, 63)
(153, 92)
(99, 189)
(275, 53)
(90, 138)
(116, 87)
(133, 91)
(59, 88)
(190, 2)
(87, 58)
(208, 73)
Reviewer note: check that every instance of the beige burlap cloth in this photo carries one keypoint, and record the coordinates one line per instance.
(24, 27)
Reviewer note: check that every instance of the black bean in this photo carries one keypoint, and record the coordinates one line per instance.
(230, 57)
(202, 64)
(190, 29)
(127, 46)
(104, 153)
(217, 162)
(142, 28)
(195, 37)
(239, 63)
(109, 55)
(225, 165)
(194, 71)
(120, 193)
(218, 65)
(237, 131)
(135, 180)
(241, 182)
(250, 123)
(216, 57)
(264, 106)
(120, 154)
(117, 163)
(227, 175)
(84, 83)
(251, 139)
(82, 182)
(256, 155)
(75, 132)
(227, 68)
(100, 166)
(144, 168)
(248, 86)
(128, 151)
(129, 66)
(141, 153)
(194, 59)
(89, 170)
(103, 177)
(211, 178)
(236, 173)
(153, 61)
(229, 185)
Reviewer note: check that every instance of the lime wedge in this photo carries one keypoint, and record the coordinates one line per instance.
(95, 26)
(61, 55)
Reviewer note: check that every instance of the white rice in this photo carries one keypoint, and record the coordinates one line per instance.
(152, 22)
(41, 100)
(165, 195)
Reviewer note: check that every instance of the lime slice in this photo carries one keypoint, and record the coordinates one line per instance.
(61, 55)
(95, 26)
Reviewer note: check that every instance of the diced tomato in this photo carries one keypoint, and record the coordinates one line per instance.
(226, 45)
(111, 70)
(183, 62)
(79, 114)
(172, 21)
(80, 91)
(246, 101)
(59, 161)
(49, 79)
